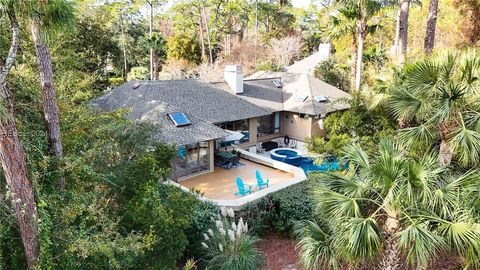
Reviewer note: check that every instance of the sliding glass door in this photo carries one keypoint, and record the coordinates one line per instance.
(191, 159)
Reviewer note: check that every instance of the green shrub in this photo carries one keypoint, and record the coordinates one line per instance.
(201, 221)
(279, 211)
(138, 73)
(267, 65)
(227, 244)
(115, 81)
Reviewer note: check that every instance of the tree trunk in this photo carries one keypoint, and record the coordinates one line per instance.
(124, 45)
(155, 65)
(12, 157)
(208, 35)
(50, 108)
(394, 49)
(202, 38)
(446, 154)
(353, 70)
(391, 258)
(431, 26)
(403, 30)
(150, 34)
(360, 40)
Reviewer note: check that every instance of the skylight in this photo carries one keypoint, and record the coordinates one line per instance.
(179, 119)
(277, 83)
(300, 98)
(320, 98)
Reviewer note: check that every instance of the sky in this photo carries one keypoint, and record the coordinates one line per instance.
(301, 3)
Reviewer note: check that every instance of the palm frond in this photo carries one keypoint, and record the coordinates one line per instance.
(388, 166)
(336, 206)
(423, 134)
(466, 145)
(356, 155)
(364, 239)
(315, 245)
(420, 244)
(354, 188)
(462, 237)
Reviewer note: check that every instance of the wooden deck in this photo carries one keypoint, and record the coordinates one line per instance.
(220, 184)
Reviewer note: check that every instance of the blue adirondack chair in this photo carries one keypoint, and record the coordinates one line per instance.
(260, 181)
(242, 188)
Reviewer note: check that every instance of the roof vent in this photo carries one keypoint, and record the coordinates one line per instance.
(277, 83)
(301, 98)
(136, 85)
(321, 98)
(179, 119)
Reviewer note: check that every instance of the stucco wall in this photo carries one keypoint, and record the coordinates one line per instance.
(294, 126)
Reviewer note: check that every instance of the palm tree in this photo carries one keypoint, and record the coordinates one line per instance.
(439, 98)
(357, 19)
(157, 45)
(390, 211)
(12, 154)
(45, 16)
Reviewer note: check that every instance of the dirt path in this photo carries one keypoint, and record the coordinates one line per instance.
(279, 252)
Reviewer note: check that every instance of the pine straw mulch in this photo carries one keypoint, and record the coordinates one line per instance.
(280, 254)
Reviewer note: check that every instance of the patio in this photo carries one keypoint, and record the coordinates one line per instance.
(220, 184)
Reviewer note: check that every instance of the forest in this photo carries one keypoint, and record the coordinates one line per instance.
(83, 190)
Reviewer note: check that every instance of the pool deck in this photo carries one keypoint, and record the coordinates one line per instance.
(220, 184)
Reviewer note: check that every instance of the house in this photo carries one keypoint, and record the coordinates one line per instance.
(198, 116)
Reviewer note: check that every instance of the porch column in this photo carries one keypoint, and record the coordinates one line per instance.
(211, 148)
(252, 130)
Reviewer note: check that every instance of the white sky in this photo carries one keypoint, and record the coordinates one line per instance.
(301, 3)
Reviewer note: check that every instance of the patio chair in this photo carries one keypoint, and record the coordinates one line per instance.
(242, 188)
(293, 143)
(261, 182)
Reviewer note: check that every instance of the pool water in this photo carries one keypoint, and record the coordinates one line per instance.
(330, 164)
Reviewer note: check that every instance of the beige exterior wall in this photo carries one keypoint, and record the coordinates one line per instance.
(294, 126)
(252, 126)
(318, 129)
(211, 146)
(299, 128)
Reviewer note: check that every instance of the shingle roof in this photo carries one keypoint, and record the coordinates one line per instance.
(259, 85)
(154, 111)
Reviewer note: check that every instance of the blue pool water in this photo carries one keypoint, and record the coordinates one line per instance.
(330, 164)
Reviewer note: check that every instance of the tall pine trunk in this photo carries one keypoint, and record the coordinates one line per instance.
(431, 26)
(50, 108)
(360, 41)
(353, 70)
(155, 65)
(12, 158)
(403, 30)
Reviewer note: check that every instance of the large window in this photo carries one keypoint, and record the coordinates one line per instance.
(191, 159)
(241, 126)
(268, 124)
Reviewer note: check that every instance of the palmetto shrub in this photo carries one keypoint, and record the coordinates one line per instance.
(228, 246)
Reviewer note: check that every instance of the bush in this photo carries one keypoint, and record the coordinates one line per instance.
(115, 81)
(331, 72)
(199, 224)
(279, 211)
(227, 244)
(267, 65)
(138, 73)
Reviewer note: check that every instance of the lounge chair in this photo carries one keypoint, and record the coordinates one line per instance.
(261, 182)
(242, 188)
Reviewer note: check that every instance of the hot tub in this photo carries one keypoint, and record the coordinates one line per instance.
(287, 155)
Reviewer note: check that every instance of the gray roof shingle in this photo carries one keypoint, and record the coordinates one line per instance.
(143, 108)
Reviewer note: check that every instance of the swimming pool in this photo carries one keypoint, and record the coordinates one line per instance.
(329, 164)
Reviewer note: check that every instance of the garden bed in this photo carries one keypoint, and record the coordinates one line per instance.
(279, 252)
